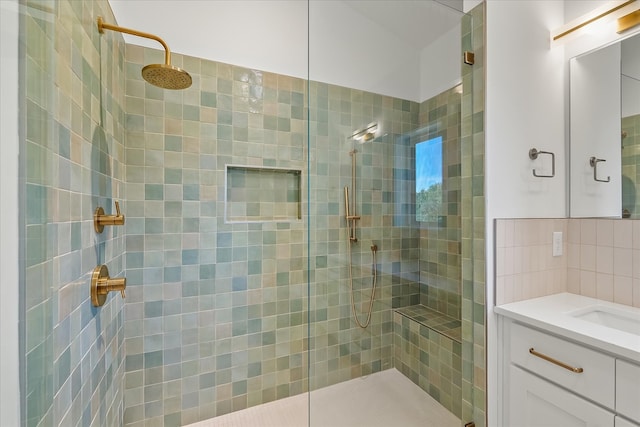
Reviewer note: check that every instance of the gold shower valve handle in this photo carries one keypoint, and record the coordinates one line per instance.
(102, 284)
(100, 219)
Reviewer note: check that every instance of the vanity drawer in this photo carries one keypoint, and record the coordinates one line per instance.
(596, 381)
(628, 390)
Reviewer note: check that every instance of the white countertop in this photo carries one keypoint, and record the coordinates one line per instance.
(556, 314)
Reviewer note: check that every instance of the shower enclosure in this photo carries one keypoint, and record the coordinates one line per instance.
(391, 168)
(284, 232)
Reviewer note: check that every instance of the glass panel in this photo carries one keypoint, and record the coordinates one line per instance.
(215, 313)
(385, 247)
(473, 224)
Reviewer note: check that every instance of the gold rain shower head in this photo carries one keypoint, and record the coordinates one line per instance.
(164, 75)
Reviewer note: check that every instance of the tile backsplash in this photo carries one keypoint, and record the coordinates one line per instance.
(525, 267)
(601, 259)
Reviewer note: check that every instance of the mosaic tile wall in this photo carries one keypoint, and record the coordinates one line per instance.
(71, 155)
(431, 360)
(630, 165)
(474, 343)
(440, 244)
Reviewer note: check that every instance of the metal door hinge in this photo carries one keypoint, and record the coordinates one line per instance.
(469, 58)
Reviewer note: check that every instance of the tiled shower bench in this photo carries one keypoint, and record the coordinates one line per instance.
(428, 351)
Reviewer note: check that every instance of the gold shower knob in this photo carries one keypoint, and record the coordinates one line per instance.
(100, 219)
(102, 284)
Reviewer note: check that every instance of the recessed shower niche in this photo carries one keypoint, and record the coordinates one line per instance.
(262, 194)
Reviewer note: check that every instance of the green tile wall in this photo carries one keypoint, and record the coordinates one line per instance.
(216, 317)
(339, 349)
(434, 319)
(429, 359)
(630, 163)
(71, 160)
(215, 320)
(263, 194)
(440, 244)
(474, 388)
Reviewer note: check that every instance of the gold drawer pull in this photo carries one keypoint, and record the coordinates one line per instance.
(556, 362)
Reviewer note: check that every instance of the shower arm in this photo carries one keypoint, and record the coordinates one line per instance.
(104, 26)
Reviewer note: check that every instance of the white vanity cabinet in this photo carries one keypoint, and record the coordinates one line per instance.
(537, 351)
(628, 389)
(568, 360)
(549, 380)
(537, 402)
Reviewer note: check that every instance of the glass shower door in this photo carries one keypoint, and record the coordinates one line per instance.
(385, 211)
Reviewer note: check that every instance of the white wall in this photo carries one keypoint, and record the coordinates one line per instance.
(9, 383)
(229, 31)
(468, 5)
(345, 48)
(574, 9)
(524, 109)
(348, 49)
(439, 69)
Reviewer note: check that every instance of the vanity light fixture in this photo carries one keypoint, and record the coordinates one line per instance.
(595, 18)
(628, 21)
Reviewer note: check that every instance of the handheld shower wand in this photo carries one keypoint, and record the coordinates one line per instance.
(351, 218)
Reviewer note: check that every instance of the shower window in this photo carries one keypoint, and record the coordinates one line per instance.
(429, 180)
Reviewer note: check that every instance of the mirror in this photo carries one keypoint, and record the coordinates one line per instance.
(605, 131)
(631, 127)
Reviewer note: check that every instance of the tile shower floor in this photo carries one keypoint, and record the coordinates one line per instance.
(383, 399)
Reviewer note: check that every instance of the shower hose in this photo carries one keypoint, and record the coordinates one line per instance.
(374, 251)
